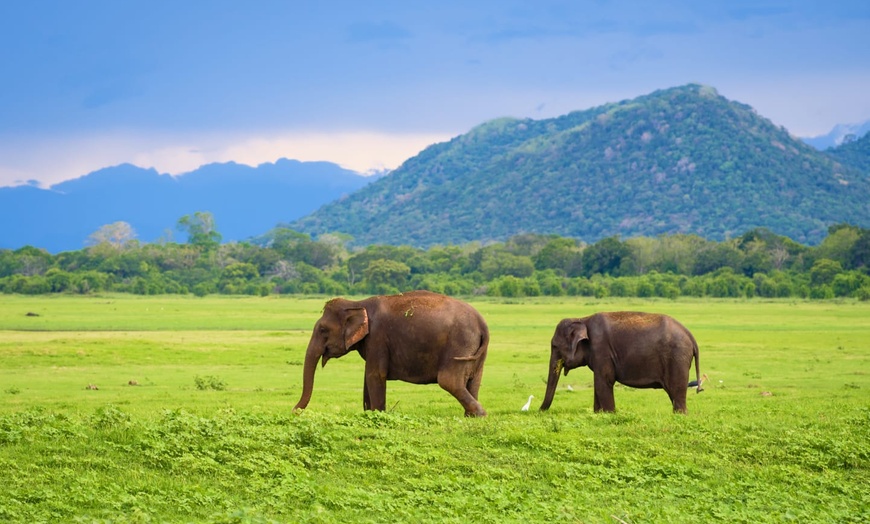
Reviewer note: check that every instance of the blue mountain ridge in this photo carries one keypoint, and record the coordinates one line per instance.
(245, 201)
(836, 135)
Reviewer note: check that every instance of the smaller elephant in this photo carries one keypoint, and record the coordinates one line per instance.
(641, 350)
(418, 337)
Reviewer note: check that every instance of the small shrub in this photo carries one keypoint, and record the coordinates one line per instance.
(109, 417)
(209, 382)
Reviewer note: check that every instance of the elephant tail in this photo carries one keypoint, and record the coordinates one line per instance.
(699, 379)
(481, 348)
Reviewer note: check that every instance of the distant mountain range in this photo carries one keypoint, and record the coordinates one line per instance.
(839, 134)
(680, 160)
(245, 201)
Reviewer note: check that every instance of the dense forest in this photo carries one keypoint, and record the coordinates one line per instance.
(283, 261)
(680, 160)
(854, 151)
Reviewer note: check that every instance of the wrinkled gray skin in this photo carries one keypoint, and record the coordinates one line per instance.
(418, 337)
(641, 350)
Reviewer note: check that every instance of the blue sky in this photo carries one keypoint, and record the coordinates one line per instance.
(177, 84)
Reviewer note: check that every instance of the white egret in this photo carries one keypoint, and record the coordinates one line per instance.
(528, 403)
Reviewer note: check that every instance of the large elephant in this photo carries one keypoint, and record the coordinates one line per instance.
(641, 350)
(419, 337)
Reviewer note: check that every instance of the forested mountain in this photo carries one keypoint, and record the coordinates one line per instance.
(854, 152)
(244, 201)
(680, 160)
(838, 135)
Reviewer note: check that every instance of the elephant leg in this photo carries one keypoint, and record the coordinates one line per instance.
(473, 384)
(678, 399)
(604, 394)
(454, 382)
(367, 403)
(375, 396)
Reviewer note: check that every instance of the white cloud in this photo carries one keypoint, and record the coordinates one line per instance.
(54, 160)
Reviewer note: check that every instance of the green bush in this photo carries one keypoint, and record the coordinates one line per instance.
(209, 382)
(624, 287)
(821, 292)
(645, 288)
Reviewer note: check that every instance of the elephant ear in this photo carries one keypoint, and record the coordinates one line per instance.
(356, 326)
(578, 335)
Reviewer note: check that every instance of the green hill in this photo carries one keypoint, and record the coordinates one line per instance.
(680, 160)
(853, 152)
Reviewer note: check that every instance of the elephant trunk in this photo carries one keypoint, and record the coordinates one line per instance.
(552, 381)
(312, 356)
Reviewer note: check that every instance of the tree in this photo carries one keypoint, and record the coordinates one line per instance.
(237, 276)
(240, 271)
(859, 257)
(447, 259)
(642, 254)
(386, 276)
(117, 234)
(839, 243)
(200, 229)
(32, 261)
(848, 283)
(318, 254)
(558, 253)
(358, 263)
(677, 253)
(284, 270)
(757, 258)
(497, 262)
(717, 256)
(604, 257)
(263, 258)
(823, 271)
(527, 244)
(507, 286)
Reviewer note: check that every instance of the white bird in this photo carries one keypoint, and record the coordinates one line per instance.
(570, 388)
(528, 403)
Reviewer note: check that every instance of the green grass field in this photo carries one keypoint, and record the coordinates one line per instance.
(191, 420)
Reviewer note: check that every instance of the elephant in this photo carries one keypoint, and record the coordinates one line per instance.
(418, 337)
(641, 350)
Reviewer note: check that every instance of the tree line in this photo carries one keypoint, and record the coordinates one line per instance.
(759, 263)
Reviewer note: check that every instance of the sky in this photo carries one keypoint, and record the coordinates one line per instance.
(177, 84)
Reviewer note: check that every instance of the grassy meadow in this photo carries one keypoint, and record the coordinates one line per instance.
(121, 408)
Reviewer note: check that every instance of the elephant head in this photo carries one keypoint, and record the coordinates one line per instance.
(567, 352)
(342, 325)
